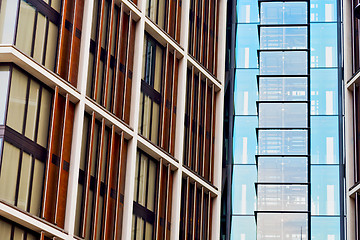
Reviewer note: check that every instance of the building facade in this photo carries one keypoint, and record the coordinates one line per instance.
(111, 118)
(284, 162)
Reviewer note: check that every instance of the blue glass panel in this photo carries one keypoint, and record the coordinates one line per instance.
(324, 139)
(244, 140)
(245, 91)
(323, 44)
(4, 82)
(283, 37)
(246, 46)
(325, 228)
(247, 11)
(325, 190)
(283, 13)
(243, 228)
(324, 91)
(323, 10)
(243, 189)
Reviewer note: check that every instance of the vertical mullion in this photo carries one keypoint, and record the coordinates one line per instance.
(204, 128)
(98, 178)
(178, 21)
(207, 64)
(157, 225)
(187, 207)
(108, 57)
(202, 31)
(167, 201)
(163, 104)
(126, 65)
(201, 213)
(212, 128)
(194, 212)
(194, 49)
(61, 158)
(172, 110)
(197, 124)
(208, 217)
(72, 32)
(62, 29)
(117, 218)
(167, 16)
(50, 144)
(108, 190)
(98, 50)
(355, 133)
(214, 70)
(191, 116)
(117, 57)
(88, 175)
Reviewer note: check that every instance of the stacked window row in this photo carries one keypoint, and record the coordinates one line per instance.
(199, 125)
(48, 31)
(35, 145)
(282, 197)
(203, 32)
(157, 113)
(195, 212)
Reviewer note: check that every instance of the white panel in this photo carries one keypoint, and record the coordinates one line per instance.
(328, 56)
(331, 237)
(329, 8)
(330, 195)
(329, 102)
(246, 103)
(246, 56)
(247, 13)
(329, 150)
(243, 198)
(243, 236)
(244, 155)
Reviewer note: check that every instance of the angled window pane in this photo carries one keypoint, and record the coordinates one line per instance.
(283, 13)
(24, 184)
(283, 63)
(282, 197)
(282, 89)
(289, 226)
(25, 27)
(288, 115)
(245, 91)
(4, 82)
(246, 46)
(32, 109)
(283, 37)
(244, 141)
(323, 10)
(325, 228)
(243, 227)
(8, 17)
(282, 169)
(243, 189)
(247, 11)
(282, 142)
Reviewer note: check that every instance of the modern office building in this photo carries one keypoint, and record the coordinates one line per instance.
(111, 119)
(284, 158)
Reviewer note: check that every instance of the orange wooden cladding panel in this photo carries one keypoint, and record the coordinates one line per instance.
(174, 106)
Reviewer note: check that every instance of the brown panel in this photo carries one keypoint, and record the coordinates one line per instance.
(158, 228)
(174, 105)
(201, 214)
(202, 17)
(178, 21)
(110, 33)
(172, 18)
(169, 203)
(208, 45)
(98, 49)
(187, 207)
(98, 179)
(130, 66)
(209, 217)
(163, 201)
(194, 212)
(212, 33)
(197, 134)
(195, 28)
(189, 163)
(208, 132)
(128, 43)
(166, 123)
(212, 135)
(88, 176)
(216, 38)
(64, 157)
(204, 112)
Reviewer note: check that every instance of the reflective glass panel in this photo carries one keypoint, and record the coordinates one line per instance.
(283, 37)
(287, 115)
(284, 226)
(282, 169)
(325, 139)
(325, 228)
(283, 63)
(282, 197)
(247, 11)
(245, 91)
(243, 227)
(243, 189)
(323, 10)
(325, 190)
(283, 89)
(282, 142)
(324, 91)
(323, 37)
(8, 16)
(283, 13)
(246, 46)
(244, 139)
(4, 83)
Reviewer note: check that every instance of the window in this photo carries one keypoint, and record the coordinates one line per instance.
(159, 95)
(152, 198)
(10, 230)
(35, 166)
(111, 58)
(101, 181)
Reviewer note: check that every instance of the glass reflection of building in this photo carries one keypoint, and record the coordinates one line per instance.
(286, 178)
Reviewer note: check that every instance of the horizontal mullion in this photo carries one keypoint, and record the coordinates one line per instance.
(280, 129)
(280, 183)
(47, 10)
(150, 92)
(282, 155)
(282, 76)
(281, 101)
(283, 50)
(284, 25)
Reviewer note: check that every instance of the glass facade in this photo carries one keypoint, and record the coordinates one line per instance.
(286, 146)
